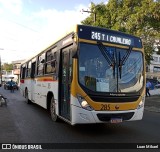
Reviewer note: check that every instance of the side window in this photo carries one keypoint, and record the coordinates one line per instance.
(33, 68)
(40, 66)
(28, 74)
(50, 62)
(23, 70)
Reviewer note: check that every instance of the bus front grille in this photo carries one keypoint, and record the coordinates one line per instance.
(108, 117)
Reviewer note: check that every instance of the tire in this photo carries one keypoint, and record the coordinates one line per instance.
(26, 96)
(53, 114)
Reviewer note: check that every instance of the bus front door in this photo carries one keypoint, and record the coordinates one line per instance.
(65, 83)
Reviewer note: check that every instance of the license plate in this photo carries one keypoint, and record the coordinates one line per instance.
(116, 120)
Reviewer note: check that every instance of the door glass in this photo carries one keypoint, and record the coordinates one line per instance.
(65, 85)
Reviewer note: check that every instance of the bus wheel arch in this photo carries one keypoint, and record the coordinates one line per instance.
(51, 106)
(49, 97)
(26, 96)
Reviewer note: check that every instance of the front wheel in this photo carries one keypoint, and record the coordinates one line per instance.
(53, 110)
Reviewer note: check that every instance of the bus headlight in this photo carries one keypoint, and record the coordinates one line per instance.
(141, 104)
(84, 104)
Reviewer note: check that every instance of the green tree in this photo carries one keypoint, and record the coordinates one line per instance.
(7, 67)
(139, 17)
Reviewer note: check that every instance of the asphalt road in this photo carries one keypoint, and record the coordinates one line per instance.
(23, 123)
(153, 103)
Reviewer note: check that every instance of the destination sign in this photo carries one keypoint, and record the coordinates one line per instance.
(113, 38)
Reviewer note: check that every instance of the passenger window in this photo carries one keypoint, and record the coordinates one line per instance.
(28, 72)
(51, 62)
(23, 70)
(40, 66)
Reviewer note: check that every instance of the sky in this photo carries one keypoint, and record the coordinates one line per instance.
(29, 26)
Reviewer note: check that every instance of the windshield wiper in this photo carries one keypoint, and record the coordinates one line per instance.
(120, 66)
(107, 56)
(123, 60)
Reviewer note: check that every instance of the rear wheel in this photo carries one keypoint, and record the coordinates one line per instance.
(53, 110)
(26, 96)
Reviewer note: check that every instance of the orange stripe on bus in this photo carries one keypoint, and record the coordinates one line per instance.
(46, 80)
(40, 79)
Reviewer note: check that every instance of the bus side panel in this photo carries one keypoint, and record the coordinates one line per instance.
(25, 85)
(41, 90)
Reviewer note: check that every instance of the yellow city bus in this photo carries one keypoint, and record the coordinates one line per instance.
(91, 75)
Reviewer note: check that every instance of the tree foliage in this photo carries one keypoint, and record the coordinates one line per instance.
(7, 67)
(138, 17)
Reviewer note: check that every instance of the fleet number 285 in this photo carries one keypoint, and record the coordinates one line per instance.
(105, 107)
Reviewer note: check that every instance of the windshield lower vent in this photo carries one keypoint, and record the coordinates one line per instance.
(108, 117)
(102, 98)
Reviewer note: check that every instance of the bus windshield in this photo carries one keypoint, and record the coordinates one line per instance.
(102, 70)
